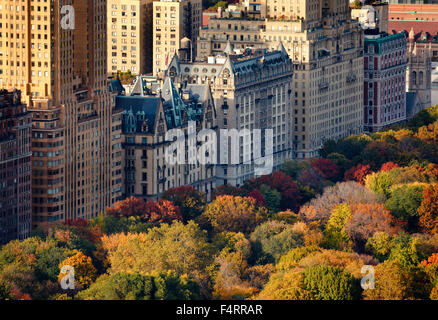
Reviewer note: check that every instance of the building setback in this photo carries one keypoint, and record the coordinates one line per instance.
(15, 168)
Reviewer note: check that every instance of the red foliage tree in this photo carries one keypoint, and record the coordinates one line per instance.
(290, 194)
(84, 230)
(78, 222)
(228, 190)
(161, 211)
(150, 211)
(325, 167)
(388, 166)
(358, 173)
(258, 197)
(131, 206)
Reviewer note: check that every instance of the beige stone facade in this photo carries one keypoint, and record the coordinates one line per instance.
(129, 36)
(251, 91)
(174, 20)
(326, 46)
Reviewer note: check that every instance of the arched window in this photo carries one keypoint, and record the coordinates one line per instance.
(420, 78)
(414, 77)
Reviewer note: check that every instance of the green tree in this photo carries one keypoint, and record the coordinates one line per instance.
(272, 198)
(404, 202)
(335, 235)
(272, 239)
(331, 283)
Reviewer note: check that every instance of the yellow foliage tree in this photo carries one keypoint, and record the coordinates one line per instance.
(84, 271)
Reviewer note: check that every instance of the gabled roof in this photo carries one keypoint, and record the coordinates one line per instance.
(140, 88)
(115, 85)
(136, 110)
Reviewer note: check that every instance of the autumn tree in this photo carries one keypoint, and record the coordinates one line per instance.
(380, 183)
(228, 189)
(190, 201)
(320, 208)
(290, 195)
(258, 197)
(272, 239)
(404, 202)
(392, 282)
(325, 167)
(335, 235)
(153, 212)
(236, 214)
(388, 166)
(358, 173)
(84, 271)
(428, 210)
(178, 247)
(367, 219)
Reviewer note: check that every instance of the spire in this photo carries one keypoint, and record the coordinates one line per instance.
(281, 48)
(414, 51)
(228, 48)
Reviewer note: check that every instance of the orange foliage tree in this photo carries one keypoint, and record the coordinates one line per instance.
(84, 271)
(358, 173)
(148, 211)
(428, 210)
(367, 219)
(236, 214)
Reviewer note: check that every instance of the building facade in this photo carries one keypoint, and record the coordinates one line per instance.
(419, 75)
(326, 46)
(59, 63)
(15, 168)
(129, 36)
(385, 65)
(147, 117)
(252, 90)
(174, 20)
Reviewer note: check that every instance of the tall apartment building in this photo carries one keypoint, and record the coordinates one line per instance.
(252, 90)
(385, 65)
(61, 69)
(129, 38)
(174, 20)
(147, 116)
(15, 168)
(326, 46)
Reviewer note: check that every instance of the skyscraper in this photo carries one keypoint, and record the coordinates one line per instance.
(55, 52)
(15, 167)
